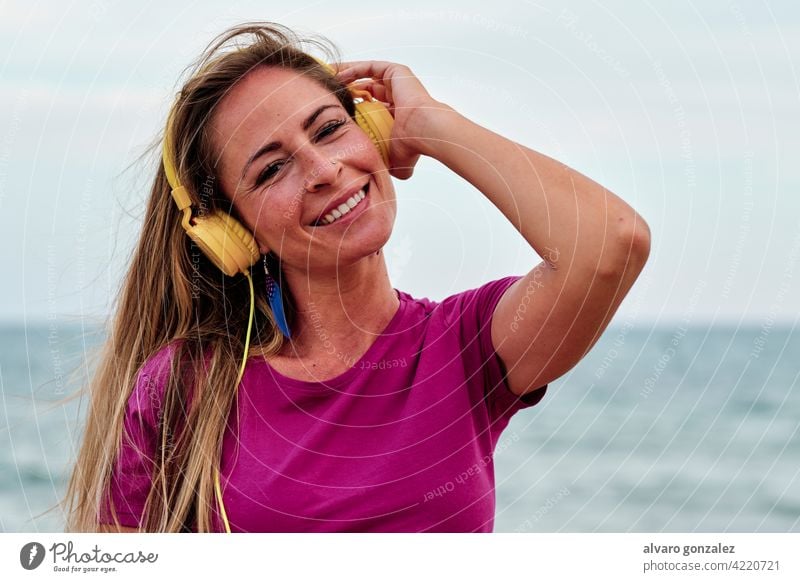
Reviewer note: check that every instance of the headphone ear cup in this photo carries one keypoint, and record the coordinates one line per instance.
(224, 240)
(374, 118)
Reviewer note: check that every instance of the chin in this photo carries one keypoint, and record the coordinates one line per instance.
(356, 248)
(358, 244)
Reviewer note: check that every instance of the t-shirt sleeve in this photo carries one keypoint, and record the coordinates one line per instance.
(131, 478)
(471, 312)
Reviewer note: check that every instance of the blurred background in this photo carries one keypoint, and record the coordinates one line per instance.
(685, 415)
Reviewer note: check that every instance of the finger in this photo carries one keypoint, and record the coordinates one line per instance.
(352, 70)
(403, 168)
(402, 173)
(362, 65)
(377, 90)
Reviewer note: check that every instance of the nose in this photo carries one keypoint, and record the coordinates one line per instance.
(322, 171)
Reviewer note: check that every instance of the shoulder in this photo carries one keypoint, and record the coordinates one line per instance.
(462, 316)
(478, 296)
(159, 363)
(152, 378)
(465, 308)
(477, 304)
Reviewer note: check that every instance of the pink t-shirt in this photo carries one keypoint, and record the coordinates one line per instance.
(402, 441)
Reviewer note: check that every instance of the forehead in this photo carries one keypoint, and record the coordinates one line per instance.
(267, 99)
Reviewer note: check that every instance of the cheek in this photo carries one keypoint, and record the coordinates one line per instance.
(262, 216)
(359, 147)
(286, 208)
(374, 153)
(267, 222)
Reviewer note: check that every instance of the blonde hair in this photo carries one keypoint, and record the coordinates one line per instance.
(173, 296)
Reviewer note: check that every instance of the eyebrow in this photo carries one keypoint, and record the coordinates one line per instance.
(274, 145)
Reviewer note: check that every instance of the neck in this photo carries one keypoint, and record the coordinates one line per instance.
(340, 315)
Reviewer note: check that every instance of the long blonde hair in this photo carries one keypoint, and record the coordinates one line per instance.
(172, 295)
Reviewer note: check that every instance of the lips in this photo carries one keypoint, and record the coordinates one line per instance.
(339, 201)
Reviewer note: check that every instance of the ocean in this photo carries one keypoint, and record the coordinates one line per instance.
(658, 429)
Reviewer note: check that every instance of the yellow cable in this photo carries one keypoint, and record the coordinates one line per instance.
(238, 379)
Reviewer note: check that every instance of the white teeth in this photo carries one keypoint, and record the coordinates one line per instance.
(344, 208)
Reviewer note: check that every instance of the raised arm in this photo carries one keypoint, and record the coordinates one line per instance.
(594, 245)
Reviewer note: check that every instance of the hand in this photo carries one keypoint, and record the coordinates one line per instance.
(407, 100)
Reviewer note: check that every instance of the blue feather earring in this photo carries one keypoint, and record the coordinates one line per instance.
(275, 298)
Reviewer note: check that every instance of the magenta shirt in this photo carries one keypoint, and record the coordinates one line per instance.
(402, 441)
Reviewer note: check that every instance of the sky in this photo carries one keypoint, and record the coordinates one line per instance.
(686, 110)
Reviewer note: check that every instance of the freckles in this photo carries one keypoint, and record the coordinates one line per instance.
(293, 206)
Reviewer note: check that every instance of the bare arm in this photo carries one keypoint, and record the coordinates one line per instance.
(593, 244)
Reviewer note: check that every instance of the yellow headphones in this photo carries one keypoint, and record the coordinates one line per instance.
(223, 239)
(228, 244)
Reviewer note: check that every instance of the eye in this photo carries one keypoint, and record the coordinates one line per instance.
(330, 128)
(269, 172)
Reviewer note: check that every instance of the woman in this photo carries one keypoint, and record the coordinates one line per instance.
(359, 408)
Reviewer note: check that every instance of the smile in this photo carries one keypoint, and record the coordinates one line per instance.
(345, 210)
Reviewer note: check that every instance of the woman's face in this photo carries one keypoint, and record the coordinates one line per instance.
(277, 134)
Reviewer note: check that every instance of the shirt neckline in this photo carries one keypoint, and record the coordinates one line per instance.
(334, 384)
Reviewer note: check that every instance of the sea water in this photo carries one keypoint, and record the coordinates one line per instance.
(659, 428)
